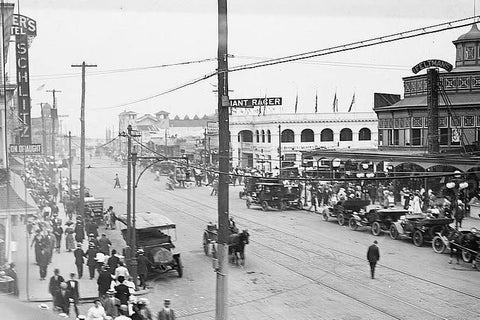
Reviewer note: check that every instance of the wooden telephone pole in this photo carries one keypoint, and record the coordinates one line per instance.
(82, 136)
(223, 163)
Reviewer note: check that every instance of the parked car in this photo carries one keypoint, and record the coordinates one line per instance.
(376, 219)
(343, 210)
(419, 228)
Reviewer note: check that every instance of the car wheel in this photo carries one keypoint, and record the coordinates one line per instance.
(438, 245)
(179, 267)
(352, 223)
(376, 229)
(418, 238)
(299, 205)
(281, 205)
(393, 232)
(248, 203)
(341, 219)
(325, 215)
(240, 194)
(466, 256)
(264, 205)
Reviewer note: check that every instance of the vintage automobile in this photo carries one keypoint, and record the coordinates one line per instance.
(419, 228)
(377, 219)
(343, 210)
(267, 195)
(467, 240)
(291, 197)
(154, 235)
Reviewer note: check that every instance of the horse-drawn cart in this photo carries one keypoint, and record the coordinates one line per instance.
(468, 241)
(236, 242)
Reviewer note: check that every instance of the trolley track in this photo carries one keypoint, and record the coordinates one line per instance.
(189, 203)
(376, 289)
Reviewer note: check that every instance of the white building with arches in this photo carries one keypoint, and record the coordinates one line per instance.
(255, 139)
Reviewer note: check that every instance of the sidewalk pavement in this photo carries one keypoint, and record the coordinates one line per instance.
(30, 286)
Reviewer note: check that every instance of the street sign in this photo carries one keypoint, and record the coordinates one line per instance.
(255, 102)
(212, 127)
(25, 149)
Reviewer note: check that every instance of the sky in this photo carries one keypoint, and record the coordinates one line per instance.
(145, 34)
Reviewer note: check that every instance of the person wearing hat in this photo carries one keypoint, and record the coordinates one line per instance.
(111, 304)
(69, 240)
(166, 313)
(91, 254)
(73, 292)
(54, 285)
(104, 244)
(122, 291)
(79, 255)
(104, 281)
(373, 256)
(79, 231)
(123, 313)
(143, 309)
(142, 268)
(12, 273)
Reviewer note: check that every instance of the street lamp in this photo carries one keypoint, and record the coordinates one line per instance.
(335, 165)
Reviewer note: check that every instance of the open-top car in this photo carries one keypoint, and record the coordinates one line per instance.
(377, 219)
(343, 210)
(154, 234)
(419, 228)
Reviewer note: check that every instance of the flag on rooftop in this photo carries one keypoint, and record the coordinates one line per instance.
(335, 103)
(316, 101)
(351, 103)
(296, 103)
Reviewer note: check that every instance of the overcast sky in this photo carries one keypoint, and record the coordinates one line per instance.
(122, 34)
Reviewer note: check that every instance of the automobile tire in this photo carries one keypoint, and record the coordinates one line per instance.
(393, 232)
(248, 203)
(352, 223)
(325, 215)
(299, 205)
(264, 205)
(240, 194)
(376, 229)
(466, 256)
(438, 245)
(417, 238)
(341, 219)
(179, 267)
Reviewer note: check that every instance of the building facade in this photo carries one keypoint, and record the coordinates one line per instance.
(256, 139)
(404, 125)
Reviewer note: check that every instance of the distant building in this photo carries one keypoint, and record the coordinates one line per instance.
(255, 139)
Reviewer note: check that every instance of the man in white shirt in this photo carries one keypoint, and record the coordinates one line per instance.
(97, 312)
(121, 270)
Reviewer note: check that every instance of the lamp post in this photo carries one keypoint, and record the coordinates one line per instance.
(133, 233)
(335, 166)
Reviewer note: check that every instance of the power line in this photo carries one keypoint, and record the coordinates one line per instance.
(322, 52)
(113, 71)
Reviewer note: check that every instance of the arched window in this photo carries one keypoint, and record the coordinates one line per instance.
(346, 134)
(326, 135)
(364, 134)
(263, 136)
(269, 136)
(288, 136)
(307, 136)
(245, 136)
(257, 134)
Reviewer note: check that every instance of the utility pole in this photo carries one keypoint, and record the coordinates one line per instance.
(205, 147)
(70, 162)
(82, 136)
(280, 150)
(53, 115)
(44, 133)
(223, 164)
(129, 195)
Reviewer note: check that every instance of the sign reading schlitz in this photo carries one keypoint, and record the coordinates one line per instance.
(23, 28)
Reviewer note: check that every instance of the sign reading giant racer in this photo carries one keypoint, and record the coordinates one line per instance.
(255, 102)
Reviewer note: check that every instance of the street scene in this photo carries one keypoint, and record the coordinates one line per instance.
(338, 180)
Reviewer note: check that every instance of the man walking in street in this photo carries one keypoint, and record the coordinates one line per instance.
(104, 244)
(117, 181)
(373, 255)
(166, 313)
(79, 255)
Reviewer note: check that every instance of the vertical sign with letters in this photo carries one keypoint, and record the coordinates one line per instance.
(23, 28)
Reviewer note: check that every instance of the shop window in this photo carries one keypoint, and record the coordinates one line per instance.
(416, 137)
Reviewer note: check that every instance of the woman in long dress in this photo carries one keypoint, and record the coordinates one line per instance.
(416, 205)
(69, 240)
